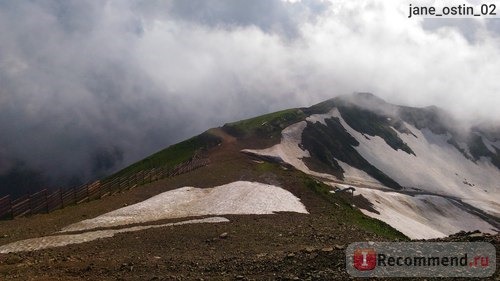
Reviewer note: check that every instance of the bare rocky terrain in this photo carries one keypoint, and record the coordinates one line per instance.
(282, 246)
(285, 246)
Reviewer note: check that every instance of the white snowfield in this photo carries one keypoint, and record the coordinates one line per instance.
(491, 207)
(356, 176)
(437, 168)
(241, 197)
(288, 149)
(422, 216)
(67, 239)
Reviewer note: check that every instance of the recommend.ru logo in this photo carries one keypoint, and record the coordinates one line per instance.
(421, 259)
(365, 259)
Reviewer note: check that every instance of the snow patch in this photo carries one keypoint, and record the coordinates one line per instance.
(289, 150)
(354, 175)
(239, 197)
(489, 207)
(63, 240)
(422, 216)
(438, 166)
(318, 118)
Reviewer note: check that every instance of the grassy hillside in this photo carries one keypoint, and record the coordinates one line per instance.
(172, 155)
(269, 125)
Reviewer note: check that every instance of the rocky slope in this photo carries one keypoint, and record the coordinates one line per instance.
(288, 214)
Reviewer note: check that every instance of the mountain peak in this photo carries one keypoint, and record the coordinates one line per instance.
(367, 96)
(369, 102)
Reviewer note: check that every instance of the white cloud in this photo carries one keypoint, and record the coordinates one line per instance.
(128, 76)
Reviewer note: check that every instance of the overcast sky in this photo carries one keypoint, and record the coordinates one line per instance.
(89, 86)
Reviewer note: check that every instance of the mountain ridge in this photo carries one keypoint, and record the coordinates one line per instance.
(401, 148)
(335, 173)
(346, 140)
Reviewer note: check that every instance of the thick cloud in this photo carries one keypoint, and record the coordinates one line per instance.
(90, 86)
(270, 16)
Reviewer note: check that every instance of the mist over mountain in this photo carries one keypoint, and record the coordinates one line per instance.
(420, 171)
(90, 87)
(248, 139)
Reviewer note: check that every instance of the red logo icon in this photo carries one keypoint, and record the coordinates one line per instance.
(365, 259)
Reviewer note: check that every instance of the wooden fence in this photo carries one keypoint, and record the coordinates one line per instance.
(45, 201)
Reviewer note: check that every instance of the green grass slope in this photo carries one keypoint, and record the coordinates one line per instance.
(172, 155)
(268, 126)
